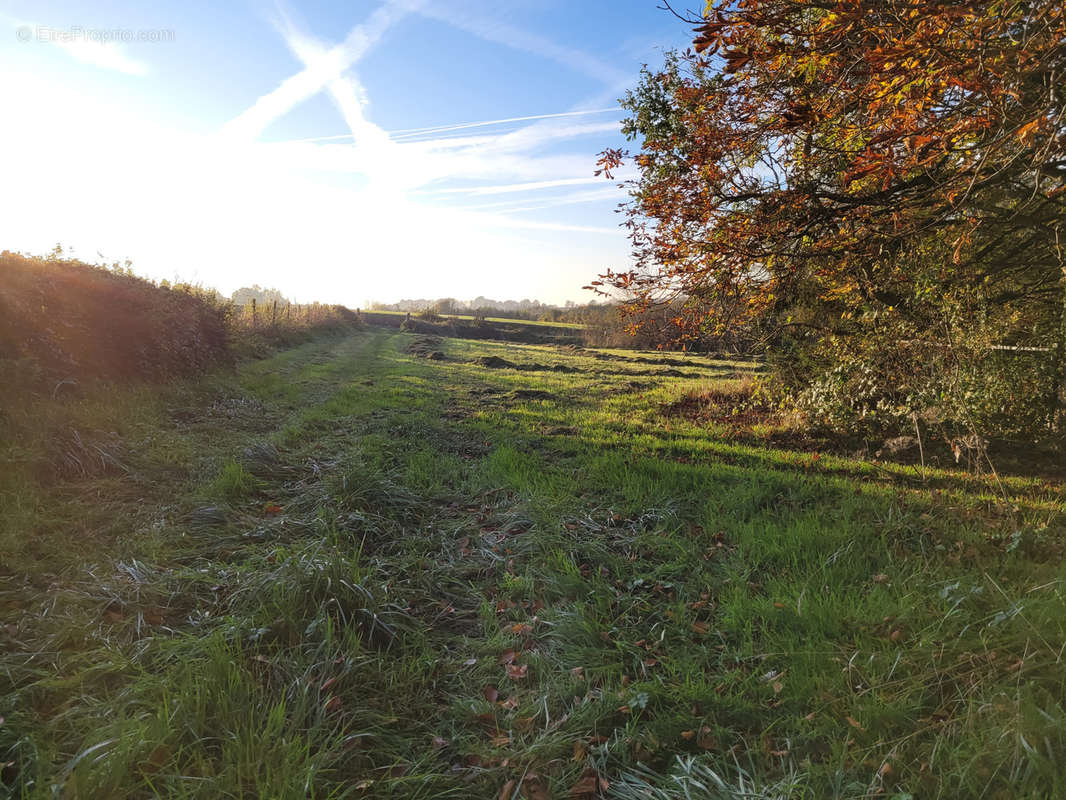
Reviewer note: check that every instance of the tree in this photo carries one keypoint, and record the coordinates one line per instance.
(263, 297)
(832, 174)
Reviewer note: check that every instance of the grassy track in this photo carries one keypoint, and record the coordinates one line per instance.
(349, 571)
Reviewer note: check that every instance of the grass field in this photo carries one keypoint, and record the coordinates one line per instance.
(506, 320)
(349, 570)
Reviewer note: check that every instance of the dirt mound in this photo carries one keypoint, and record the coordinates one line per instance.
(427, 347)
(494, 362)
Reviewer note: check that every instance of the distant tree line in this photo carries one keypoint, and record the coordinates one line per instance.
(530, 310)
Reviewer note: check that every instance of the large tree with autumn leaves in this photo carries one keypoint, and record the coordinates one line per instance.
(875, 189)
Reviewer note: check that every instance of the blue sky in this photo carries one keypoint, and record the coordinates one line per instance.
(344, 151)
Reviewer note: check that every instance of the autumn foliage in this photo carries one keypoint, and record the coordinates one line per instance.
(874, 181)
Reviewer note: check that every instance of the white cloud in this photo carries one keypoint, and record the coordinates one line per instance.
(87, 46)
(529, 186)
(106, 55)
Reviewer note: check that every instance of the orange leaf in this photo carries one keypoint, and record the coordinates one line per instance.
(1026, 132)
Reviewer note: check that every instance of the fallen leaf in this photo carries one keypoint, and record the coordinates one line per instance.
(706, 740)
(508, 657)
(326, 685)
(332, 705)
(522, 629)
(855, 723)
(778, 686)
(700, 627)
(534, 789)
(153, 617)
(511, 703)
(880, 578)
(687, 734)
(517, 671)
(439, 742)
(588, 784)
(158, 757)
(578, 672)
(272, 508)
(491, 694)
(507, 792)
(580, 750)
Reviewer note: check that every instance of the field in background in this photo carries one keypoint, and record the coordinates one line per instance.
(513, 330)
(505, 320)
(390, 565)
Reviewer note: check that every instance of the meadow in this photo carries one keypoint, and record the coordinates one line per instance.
(383, 565)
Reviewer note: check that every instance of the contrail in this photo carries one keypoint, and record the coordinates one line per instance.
(445, 128)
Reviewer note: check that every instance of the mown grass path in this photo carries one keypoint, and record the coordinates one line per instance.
(351, 571)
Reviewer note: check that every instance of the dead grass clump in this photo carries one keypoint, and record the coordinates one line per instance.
(74, 454)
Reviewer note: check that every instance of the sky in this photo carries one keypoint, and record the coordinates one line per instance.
(357, 151)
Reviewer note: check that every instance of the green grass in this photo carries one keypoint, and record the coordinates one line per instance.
(347, 571)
